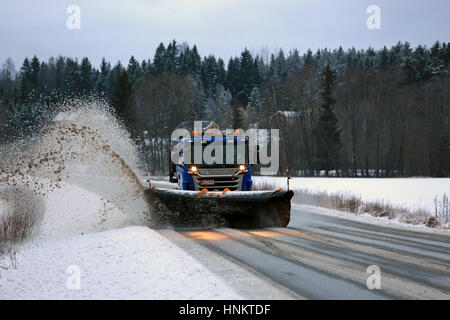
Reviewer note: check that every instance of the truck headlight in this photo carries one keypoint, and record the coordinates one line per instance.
(193, 169)
(242, 168)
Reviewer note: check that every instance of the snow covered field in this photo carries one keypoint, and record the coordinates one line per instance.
(413, 193)
(87, 249)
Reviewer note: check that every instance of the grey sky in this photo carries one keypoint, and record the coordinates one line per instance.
(118, 29)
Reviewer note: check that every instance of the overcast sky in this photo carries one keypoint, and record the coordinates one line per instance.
(117, 29)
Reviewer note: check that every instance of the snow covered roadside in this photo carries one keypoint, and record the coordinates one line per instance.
(71, 210)
(128, 263)
(115, 256)
(397, 200)
(369, 219)
(414, 193)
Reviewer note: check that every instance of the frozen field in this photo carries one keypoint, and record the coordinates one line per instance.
(411, 192)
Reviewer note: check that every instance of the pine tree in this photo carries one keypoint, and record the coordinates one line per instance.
(446, 56)
(196, 63)
(370, 58)
(159, 60)
(328, 133)
(308, 57)
(86, 74)
(255, 100)
(25, 80)
(209, 74)
(113, 76)
(248, 76)
(237, 114)
(144, 66)
(421, 64)
(72, 76)
(7, 75)
(171, 57)
(263, 70)
(59, 74)
(102, 80)
(279, 66)
(122, 99)
(254, 107)
(437, 60)
(223, 107)
(293, 62)
(221, 73)
(395, 54)
(134, 70)
(383, 58)
(184, 60)
(232, 77)
(34, 76)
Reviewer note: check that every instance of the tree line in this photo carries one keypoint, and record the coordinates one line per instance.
(343, 112)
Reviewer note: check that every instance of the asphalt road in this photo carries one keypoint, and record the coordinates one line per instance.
(324, 257)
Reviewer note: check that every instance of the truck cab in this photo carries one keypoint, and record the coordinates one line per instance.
(233, 172)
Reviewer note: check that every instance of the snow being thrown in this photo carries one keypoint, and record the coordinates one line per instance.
(83, 145)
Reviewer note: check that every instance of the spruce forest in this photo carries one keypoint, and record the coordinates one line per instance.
(377, 113)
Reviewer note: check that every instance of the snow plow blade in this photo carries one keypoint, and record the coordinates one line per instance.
(234, 209)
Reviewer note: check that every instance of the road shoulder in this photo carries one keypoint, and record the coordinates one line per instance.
(371, 220)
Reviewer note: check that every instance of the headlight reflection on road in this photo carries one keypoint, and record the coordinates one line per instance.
(267, 234)
(208, 235)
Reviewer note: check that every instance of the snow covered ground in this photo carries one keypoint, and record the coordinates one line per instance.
(413, 193)
(128, 263)
(72, 211)
(89, 249)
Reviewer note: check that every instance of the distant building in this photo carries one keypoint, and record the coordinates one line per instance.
(282, 118)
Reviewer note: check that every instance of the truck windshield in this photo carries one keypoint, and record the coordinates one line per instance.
(233, 153)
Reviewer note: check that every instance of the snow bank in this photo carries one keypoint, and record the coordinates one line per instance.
(413, 193)
(369, 219)
(129, 263)
(71, 210)
(68, 210)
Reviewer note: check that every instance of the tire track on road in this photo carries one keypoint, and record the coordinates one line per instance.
(268, 249)
(283, 266)
(385, 252)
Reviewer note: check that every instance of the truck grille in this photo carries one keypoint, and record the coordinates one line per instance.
(218, 183)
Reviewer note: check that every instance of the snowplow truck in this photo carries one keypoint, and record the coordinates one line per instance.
(217, 194)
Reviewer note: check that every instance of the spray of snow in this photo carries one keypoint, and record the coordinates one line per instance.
(83, 156)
